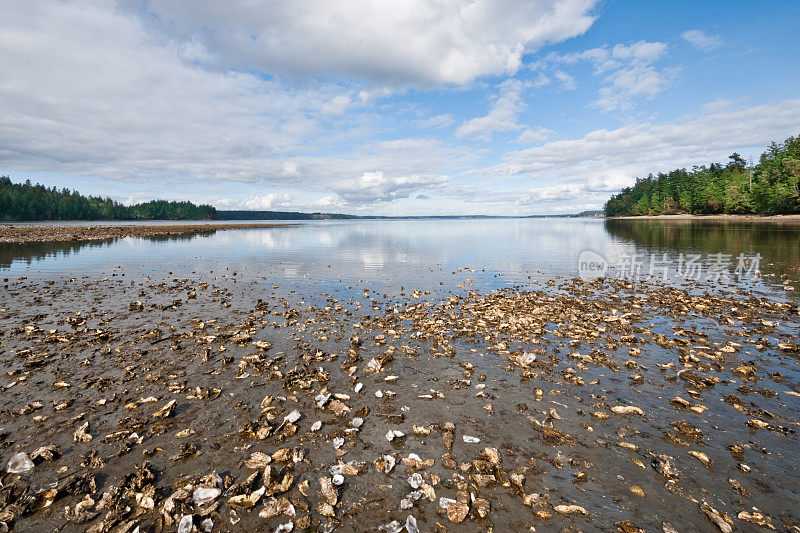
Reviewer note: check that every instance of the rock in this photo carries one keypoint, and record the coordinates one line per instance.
(19, 464)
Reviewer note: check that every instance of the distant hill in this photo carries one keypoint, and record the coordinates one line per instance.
(279, 215)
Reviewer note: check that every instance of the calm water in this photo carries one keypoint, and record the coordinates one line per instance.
(425, 253)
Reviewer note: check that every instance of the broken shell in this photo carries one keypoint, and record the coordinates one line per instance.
(393, 434)
(328, 490)
(292, 417)
(316, 426)
(166, 411)
(627, 410)
(570, 509)
(204, 495)
(82, 433)
(19, 464)
(702, 458)
(457, 511)
(471, 440)
(185, 524)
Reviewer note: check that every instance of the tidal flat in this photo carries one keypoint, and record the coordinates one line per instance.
(32, 233)
(216, 402)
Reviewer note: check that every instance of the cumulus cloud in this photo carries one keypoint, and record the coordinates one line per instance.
(501, 117)
(400, 42)
(374, 186)
(92, 95)
(701, 40)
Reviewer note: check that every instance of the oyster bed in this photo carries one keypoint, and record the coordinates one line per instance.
(24, 233)
(219, 403)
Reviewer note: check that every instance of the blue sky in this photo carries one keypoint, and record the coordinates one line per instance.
(401, 108)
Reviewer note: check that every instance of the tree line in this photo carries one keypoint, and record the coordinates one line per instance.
(770, 187)
(24, 201)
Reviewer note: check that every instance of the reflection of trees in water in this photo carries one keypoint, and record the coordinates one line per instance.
(35, 251)
(778, 244)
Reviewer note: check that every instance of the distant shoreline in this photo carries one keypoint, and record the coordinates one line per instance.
(25, 233)
(716, 218)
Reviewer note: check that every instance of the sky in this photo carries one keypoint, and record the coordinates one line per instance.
(408, 107)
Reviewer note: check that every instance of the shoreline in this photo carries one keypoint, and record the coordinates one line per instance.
(27, 233)
(720, 218)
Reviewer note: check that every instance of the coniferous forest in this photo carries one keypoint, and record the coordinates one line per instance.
(770, 187)
(24, 201)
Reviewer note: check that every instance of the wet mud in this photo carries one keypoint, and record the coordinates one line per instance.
(216, 402)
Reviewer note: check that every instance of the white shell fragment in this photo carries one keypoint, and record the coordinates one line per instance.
(203, 495)
(316, 426)
(292, 417)
(394, 434)
(19, 464)
(185, 525)
(471, 440)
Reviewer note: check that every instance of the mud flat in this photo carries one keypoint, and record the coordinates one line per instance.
(218, 403)
(23, 233)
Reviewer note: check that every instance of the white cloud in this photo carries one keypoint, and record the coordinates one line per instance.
(399, 42)
(568, 83)
(606, 160)
(256, 203)
(91, 94)
(627, 72)
(501, 117)
(535, 135)
(374, 186)
(336, 106)
(701, 40)
(437, 121)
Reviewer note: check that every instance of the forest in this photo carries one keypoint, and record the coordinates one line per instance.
(24, 201)
(770, 187)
